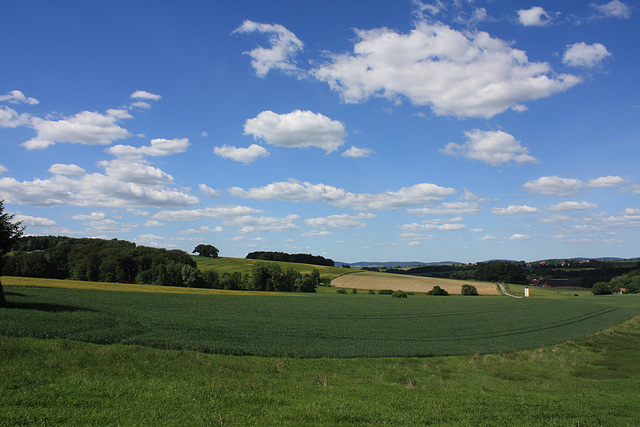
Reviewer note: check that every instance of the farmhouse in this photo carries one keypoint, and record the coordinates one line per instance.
(553, 283)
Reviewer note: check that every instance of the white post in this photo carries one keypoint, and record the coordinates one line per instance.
(526, 291)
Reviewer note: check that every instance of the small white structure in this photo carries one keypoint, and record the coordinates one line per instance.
(526, 291)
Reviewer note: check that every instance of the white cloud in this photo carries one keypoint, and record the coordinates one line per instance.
(244, 155)
(515, 210)
(295, 191)
(318, 233)
(433, 226)
(492, 147)
(455, 73)
(143, 94)
(153, 223)
(613, 9)
(219, 212)
(557, 186)
(9, 118)
(518, 236)
(297, 129)
(208, 191)
(449, 208)
(284, 45)
(357, 153)
(571, 206)
(86, 127)
(339, 221)
(556, 219)
(585, 55)
(135, 172)
(67, 170)
(16, 97)
(33, 221)
(110, 226)
(3, 169)
(93, 216)
(201, 230)
(534, 17)
(250, 224)
(158, 147)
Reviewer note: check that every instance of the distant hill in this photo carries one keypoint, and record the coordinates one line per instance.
(389, 264)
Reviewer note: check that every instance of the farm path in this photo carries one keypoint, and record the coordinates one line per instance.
(504, 291)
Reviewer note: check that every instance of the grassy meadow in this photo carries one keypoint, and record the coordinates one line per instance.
(79, 356)
(232, 265)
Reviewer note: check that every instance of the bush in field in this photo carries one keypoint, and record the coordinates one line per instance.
(372, 292)
(469, 290)
(399, 294)
(601, 288)
(340, 291)
(354, 291)
(385, 292)
(437, 290)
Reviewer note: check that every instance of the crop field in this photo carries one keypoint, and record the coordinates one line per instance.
(242, 265)
(376, 281)
(322, 325)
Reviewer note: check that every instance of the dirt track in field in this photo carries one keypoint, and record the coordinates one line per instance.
(395, 282)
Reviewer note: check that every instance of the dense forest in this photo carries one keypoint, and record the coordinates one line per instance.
(120, 261)
(284, 257)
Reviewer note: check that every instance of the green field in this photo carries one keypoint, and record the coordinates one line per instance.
(242, 265)
(312, 325)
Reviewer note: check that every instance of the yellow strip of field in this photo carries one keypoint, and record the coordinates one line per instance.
(398, 282)
(122, 287)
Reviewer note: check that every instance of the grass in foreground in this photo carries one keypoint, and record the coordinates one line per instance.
(589, 381)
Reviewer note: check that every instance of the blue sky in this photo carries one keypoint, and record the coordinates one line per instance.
(387, 130)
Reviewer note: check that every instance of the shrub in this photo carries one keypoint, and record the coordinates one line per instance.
(354, 291)
(372, 292)
(340, 291)
(601, 288)
(399, 294)
(385, 292)
(469, 290)
(437, 290)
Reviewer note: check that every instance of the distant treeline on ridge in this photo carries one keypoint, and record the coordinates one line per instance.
(297, 258)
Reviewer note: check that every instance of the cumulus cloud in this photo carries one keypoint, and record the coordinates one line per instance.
(519, 236)
(244, 155)
(557, 186)
(515, 210)
(201, 230)
(297, 129)
(585, 55)
(251, 224)
(10, 118)
(492, 147)
(67, 170)
(158, 147)
(34, 221)
(294, 191)
(284, 46)
(571, 206)
(357, 153)
(449, 208)
(86, 127)
(218, 212)
(143, 94)
(434, 225)
(339, 221)
(455, 73)
(17, 97)
(208, 191)
(3, 169)
(534, 17)
(613, 9)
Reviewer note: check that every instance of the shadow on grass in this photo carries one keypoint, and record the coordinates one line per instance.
(43, 306)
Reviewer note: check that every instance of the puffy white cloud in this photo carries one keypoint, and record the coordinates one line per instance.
(613, 9)
(34, 221)
(201, 230)
(557, 186)
(339, 221)
(449, 208)
(153, 223)
(455, 73)
(67, 170)
(251, 224)
(16, 97)
(519, 236)
(357, 153)
(284, 45)
(534, 17)
(297, 129)
(86, 127)
(492, 147)
(244, 155)
(571, 206)
(208, 191)
(219, 212)
(3, 169)
(294, 191)
(158, 147)
(9, 118)
(135, 172)
(585, 55)
(93, 216)
(436, 225)
(143, 94)
(515, 210)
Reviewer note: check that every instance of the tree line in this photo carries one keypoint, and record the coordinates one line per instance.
(285, 257)
(494, 271)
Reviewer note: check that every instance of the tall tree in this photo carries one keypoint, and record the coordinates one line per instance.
(10, 232)
(206, 250)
